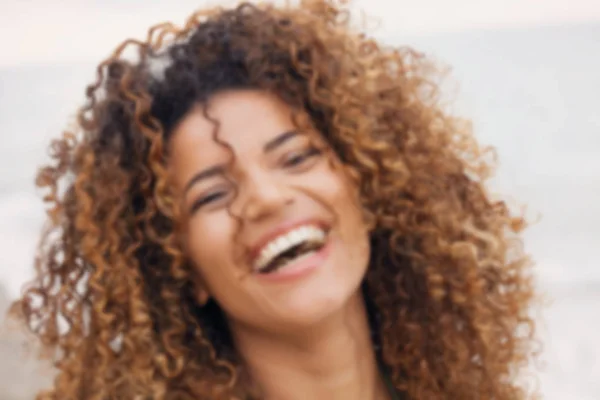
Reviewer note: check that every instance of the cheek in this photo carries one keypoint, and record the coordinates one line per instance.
(341, 193)
(209, 247)
(344, 198)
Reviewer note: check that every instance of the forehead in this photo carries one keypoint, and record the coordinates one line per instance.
(243, 119)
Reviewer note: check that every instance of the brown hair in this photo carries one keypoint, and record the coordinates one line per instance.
(113, 301)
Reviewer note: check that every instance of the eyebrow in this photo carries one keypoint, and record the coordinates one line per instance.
(205, 174)
(219, 169)
(279, 140)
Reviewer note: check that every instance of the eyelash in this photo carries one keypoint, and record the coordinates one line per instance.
(300, 157)
(207, 199)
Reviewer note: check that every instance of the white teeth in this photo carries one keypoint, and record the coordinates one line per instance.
(286, 241)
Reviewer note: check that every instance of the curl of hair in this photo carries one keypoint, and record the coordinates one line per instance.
(113, 301)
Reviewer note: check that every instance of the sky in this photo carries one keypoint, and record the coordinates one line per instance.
(72, 31)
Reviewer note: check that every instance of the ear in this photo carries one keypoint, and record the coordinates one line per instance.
(202, 295)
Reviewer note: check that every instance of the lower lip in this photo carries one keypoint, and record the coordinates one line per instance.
(298, 269)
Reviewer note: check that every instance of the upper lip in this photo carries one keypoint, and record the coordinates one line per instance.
(281, 229)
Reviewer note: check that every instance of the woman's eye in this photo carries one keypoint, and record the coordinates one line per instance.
(298, 158)
(208, 199)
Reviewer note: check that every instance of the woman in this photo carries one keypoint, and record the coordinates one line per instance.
(268, 205)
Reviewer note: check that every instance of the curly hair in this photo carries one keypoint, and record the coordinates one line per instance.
(449, 285)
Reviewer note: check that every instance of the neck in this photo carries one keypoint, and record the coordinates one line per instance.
(335, 360)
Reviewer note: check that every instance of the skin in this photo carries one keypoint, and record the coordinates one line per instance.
(302, 338)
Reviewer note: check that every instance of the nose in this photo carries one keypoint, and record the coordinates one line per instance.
(263, 195)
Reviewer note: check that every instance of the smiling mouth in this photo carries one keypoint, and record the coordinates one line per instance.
(293, 254)
(290, 247)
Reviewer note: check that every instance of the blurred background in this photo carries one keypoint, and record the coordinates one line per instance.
(527, 72)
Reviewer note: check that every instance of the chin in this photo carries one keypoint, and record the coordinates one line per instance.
(315, 308)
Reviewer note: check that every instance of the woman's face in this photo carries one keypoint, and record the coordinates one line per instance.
(277, 237)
